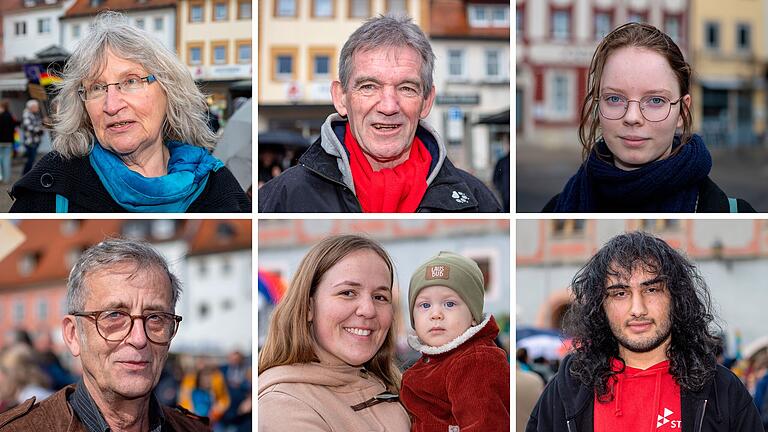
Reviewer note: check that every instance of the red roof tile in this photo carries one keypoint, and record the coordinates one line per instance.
(85, 8)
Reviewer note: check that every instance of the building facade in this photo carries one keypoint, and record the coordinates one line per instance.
(32, 28)
(729, 61)
(471, 43)
(214, 41)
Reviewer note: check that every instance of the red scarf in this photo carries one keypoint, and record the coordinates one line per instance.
(391, 190)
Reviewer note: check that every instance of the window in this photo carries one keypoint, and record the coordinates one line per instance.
(44, 25)
(220, 11)
(20, 28)
(455, 63)
(492, 64)
(285, 8)
(284, 63)
(194, 53)
(561, 25)
(322, 8)
(18, 311)
(397, 7)
(712, 35)
(140, 23)
(672, 27)
(568, 227)
(743, 37)
(559, 100)
(638, 17)
(603, 24)
(76, 31)
(321, 63)
(520, 21)
(219, 52)
(243, 51)
(196, 12)
(42, 310)
(244, 9)
(488, 15)
(159, 24)
(359, 8)
(657, 225)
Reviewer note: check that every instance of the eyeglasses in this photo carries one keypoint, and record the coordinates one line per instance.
(114, 326)
(653, 108)
(129, 85)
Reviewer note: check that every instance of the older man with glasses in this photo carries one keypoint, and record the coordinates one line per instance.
(121, 299)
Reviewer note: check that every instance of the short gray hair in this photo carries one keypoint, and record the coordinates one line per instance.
(388, 31)
(106, 255)
(32, 102)
(186, 117)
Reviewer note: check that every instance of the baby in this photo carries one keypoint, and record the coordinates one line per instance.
(461, 381)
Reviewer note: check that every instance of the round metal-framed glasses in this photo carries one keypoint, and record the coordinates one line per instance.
(114, 326)
(128, 85)
(652, 108)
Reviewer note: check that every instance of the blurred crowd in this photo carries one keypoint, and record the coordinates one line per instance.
(217, 388)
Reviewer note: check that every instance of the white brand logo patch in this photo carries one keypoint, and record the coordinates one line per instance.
(460, 197)
(662, 419)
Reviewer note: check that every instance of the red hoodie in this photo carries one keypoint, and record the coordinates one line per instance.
(644, 400)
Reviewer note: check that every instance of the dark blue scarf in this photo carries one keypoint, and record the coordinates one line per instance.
(188, 170)
(668, 185)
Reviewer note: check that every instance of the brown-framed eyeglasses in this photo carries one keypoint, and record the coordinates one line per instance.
(114, 326)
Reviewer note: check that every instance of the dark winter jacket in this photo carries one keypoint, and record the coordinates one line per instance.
(723, 405)
(76, 180)
(464, 384)
(54, 414)
(7, 126)
(322, 181)
(711, 199)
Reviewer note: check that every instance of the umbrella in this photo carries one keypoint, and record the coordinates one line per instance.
(282, 139)
(234, 146)
(549, 344)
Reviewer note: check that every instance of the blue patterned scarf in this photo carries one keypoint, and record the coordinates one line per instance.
(188, 170)
(668, 185)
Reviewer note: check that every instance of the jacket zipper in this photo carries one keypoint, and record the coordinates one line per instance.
(569, 424)
(701, 419)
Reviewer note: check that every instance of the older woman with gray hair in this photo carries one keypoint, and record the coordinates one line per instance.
(130, 134)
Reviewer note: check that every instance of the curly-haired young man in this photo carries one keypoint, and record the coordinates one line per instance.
(644, 349)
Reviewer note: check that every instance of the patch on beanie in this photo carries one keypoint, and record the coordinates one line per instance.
(440, 271)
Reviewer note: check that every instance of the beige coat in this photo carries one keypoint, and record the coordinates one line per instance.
(318, 397)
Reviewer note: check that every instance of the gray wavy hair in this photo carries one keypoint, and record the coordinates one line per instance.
(108, 254)
(388, 31)
(186, 113)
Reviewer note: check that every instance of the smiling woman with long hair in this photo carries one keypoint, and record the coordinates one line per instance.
(328, 360)
(638, 96)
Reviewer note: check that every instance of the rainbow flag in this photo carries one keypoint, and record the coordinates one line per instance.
(48, 79)
(271, 286)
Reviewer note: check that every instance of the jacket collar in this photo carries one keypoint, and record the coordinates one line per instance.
(492, 330)
(331, 143)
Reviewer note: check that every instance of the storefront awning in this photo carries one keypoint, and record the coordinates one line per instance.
(13, 81)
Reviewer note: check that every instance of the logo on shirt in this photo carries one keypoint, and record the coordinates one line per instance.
(661, 420)
(460, 197)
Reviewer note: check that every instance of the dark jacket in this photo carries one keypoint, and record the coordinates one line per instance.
(464, 383)
(54, 414)
(711, 199)
(76, 180)
(7, 126)
(723, 405)
(322, 181)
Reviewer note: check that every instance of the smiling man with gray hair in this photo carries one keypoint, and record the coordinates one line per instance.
(121, 300)
(377, 154)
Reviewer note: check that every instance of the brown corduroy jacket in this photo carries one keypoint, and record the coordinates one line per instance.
(55, 415)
